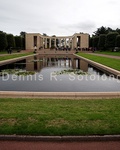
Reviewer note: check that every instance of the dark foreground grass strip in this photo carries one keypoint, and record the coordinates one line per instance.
(59, 117)
(13, 56)
(110, 62)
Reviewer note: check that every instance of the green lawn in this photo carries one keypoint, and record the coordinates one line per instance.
(3, 52)
(110, 62)
(108, 53)
(59, 117)
(6, 57)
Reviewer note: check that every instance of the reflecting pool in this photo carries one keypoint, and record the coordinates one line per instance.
(55, 73)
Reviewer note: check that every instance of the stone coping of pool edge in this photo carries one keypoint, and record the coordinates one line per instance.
(59, 95)
(60, 138)
(100, 66)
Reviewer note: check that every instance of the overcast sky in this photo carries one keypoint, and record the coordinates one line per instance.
(58, 17)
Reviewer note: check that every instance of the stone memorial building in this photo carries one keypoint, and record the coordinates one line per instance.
(78, 40)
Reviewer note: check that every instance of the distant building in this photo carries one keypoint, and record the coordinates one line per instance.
(78, 40)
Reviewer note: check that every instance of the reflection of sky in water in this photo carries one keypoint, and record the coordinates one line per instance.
(44, 80)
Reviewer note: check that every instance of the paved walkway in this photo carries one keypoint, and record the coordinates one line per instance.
(48, 51)
(105, 55)
(19, 145)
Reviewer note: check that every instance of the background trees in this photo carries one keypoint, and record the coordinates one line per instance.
(102, 41)
(95, 42)
(10, 40)
(22, 34)
(111, 40)
(3, 41)
(18, 42)
(118, 41)
(105, 38)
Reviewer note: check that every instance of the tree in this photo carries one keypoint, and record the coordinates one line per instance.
(95, 42)
(10, 40)
(118, 30)
(101, 30)
(22, 34)
(118, 41)
(102, 40)
(91, 42)
(18, 42)
(3, 41)
(111, 40)
(109, 30)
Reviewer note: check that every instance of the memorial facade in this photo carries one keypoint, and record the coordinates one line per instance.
(78, 40)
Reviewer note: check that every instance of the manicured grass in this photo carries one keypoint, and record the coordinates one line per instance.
(10, 56)
(108, 53)
(110, 62)
(59, 117)
(3, 52)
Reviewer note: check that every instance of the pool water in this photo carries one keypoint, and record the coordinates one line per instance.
(51, 75)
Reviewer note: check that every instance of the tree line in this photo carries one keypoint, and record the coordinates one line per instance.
(9, 40)
(105, 39)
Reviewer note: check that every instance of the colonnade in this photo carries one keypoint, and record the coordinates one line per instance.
(49, 42)
(80, 40)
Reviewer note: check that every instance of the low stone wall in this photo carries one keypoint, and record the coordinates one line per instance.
(60, 95)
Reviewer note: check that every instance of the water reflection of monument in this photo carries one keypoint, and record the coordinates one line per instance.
(39, 62)
(32, 64)
(83, 65)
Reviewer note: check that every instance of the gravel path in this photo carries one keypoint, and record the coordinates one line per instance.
(109, 56)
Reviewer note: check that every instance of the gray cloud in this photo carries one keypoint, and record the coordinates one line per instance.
(62, 17)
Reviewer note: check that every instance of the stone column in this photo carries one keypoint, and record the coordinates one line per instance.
(65, 42)
(45, 42)
(75, 42)
(55, 42)
(72, 43)
(60, 42)
(50, 43)
(69, 43)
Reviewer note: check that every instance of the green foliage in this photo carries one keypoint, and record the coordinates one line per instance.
(111, 39)
(18, 42)
(118, 30)
(91, 42)
(10, 40)
(18, 72)
(118, 41)
(95, 41)
(102, 40)
(102, 30)
(71, 71)
(3, 41)
(22, 34)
